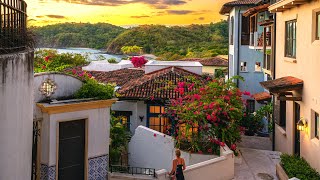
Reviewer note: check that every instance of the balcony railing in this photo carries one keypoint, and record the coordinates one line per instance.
(13, 26)
(133, 170)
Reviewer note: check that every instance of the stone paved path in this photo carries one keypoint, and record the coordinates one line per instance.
(258, 162)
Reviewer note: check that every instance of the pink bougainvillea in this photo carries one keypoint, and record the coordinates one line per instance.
(138, 61)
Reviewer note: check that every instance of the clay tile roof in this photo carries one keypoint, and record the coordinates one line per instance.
(214, 61)
(156, 84)
(228, 6)
(119, 77)
(253, 10)
(262, 96)
(283, 84)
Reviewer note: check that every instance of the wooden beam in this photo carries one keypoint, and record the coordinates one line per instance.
(285, 93)
(284, 98)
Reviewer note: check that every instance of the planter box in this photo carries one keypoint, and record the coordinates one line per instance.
(281, 174)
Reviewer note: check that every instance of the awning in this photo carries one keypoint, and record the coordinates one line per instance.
(282, 85)
(262, 96)
(253, 10)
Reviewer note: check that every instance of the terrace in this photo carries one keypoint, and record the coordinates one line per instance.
(13, 26)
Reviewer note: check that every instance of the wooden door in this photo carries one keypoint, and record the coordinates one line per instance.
(71, 162)
(297, 133)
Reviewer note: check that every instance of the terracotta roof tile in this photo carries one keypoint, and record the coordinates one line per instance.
(262, 96)
(155, 84)
(253, 10)
(283, 84)
(214, 61)
(229, 5)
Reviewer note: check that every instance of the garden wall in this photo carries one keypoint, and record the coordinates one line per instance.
(152, 149)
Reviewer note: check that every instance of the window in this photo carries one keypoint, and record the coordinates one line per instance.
(155, 121)
(318, 25)
(250, 106)
(290, 44)
(231, 30)
(243, 67)
(317, 125)
(245, 31)
(283, 113)
(257, 67)
(124, 117)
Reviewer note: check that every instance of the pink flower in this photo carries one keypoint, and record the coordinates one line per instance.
(196, 96)
(44, 67)
(138, 61)
(222, 144)
(200, 152)
(209, 118)
(181, 84)
(209, 150)
(89, 75)
(47, 58)
(152, 98)
(227, 98)
(202, 89)
(233, 147)
(74, 71)
(155, 135)
(246, 93)
(205, 107)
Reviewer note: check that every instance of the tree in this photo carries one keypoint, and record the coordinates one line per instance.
(131, 50)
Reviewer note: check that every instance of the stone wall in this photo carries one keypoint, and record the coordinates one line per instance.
(16, 100)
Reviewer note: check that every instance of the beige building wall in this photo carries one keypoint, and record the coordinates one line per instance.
(305, 66)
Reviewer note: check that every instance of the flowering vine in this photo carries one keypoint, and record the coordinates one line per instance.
(138, 61)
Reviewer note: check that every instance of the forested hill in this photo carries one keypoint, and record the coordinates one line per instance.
(193, 41)
(170, 43)
(87, 35)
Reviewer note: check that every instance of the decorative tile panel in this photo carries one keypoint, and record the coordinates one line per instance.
(98, 167)
(47, 172)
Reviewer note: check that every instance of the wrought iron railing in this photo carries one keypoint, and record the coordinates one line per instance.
(13, 25)
(133, 170)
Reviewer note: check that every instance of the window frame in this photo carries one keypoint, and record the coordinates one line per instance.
(157, 115)
(231, 30)
(317, 25)
(255, 69)
(246, 66)
(127, 114)
(292, 41)
(316, 121)
(251, 107)
(245, 30)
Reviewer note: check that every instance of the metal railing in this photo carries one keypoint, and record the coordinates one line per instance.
(133, 170)
(13, 25)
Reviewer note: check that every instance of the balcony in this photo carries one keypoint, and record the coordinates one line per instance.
(282, 5)
(13, 26)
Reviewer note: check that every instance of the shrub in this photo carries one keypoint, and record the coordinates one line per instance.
(92, 89)
(138, 61)
(112, 60)
(296, 166)
(251, 124)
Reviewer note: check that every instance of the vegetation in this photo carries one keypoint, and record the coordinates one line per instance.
(169, 43)
(112, 60)
(208, 116)
(87, 35)
(296, 166)
(131, 50)
(265, 111)
(92, 89)
(119, 140)
(51, 61)
(251, 124)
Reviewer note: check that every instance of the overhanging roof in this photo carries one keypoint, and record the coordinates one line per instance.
(226, 8)
(283, 84)
(256, 9)
(262, 96)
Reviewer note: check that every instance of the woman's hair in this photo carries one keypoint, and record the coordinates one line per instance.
(178, 153)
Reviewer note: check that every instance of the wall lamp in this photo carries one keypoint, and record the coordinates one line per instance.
(141, 118)
(302, 126)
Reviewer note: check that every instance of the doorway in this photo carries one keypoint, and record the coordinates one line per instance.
(297, 132)
(71, 151)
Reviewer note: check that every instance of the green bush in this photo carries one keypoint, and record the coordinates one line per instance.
(112, 60)
(296, 166)
(92, 89)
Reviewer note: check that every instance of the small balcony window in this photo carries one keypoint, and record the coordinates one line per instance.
(243, 67)
(318, 26)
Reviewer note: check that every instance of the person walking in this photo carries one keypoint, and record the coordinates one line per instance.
(178, 166)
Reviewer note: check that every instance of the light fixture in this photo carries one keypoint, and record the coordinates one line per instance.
(48, 88)
(300, 125)
(141, 118)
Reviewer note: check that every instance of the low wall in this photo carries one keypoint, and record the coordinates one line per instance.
(220, 168)
(152, 149)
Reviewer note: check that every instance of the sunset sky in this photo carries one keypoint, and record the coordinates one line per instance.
(124, 12)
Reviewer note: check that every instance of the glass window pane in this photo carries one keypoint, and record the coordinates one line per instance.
(156, 109)
(317, 125)
(151, 109)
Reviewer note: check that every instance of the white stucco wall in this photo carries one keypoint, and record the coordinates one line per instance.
(152, 149)
(16, 100)
(194, 67)
(98, 121)
(306, 67)
(138, 108)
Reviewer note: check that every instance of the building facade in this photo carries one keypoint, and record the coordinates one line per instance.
(295, 87)
(245, 47)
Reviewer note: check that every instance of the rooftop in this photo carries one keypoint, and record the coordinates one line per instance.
(226, 8)
(262, 96)
(214, 61)
(283, 84)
